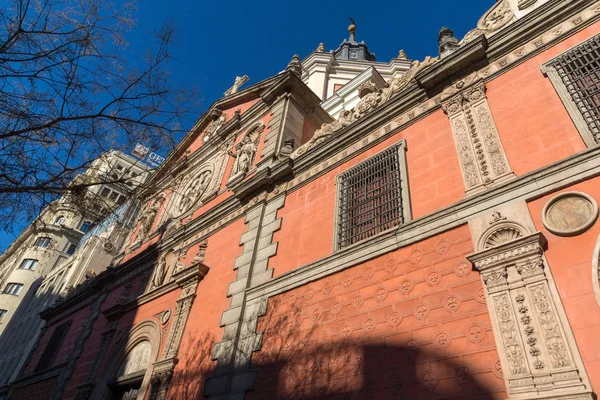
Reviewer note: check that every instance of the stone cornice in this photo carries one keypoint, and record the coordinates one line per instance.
(511, 251)
(533, 24)
(263, 179)
(579, 167)
(459, 63)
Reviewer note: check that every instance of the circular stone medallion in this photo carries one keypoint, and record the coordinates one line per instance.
(570, 213)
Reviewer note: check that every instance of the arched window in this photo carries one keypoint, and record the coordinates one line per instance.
(137, 360)
(130, 375)
(85, 226)
(59, 220)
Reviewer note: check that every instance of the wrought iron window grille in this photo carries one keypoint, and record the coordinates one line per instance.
(371, 197)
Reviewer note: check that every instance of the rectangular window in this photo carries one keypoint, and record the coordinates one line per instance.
(373, 196)
(71, 249)
(3, 314)
(28, 263)
(52, 347)
(575, 75)
(85, 226)
(42, 241)
(113, 196)
(105, 192)
(13, 288)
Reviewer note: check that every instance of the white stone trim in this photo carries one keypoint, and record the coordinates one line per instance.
(570, 232)
(574, 111)
(596, 270)
(404, 188)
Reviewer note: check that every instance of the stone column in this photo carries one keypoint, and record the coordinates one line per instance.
(480, 151)
(537, 350)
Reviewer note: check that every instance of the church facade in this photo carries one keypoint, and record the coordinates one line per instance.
(356, 229)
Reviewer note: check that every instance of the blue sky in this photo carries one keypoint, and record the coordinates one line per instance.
(219, 40)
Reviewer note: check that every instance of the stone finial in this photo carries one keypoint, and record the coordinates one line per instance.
(321, 48)
(295, 66)
(448, 44)
(402, 55)
(352, 29)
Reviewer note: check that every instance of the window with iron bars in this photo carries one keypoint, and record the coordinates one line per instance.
(575, 75)
(372, 196)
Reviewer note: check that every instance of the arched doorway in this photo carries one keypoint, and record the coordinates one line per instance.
(130, 375)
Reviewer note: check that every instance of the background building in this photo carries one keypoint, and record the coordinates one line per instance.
(63, 247)
(439, 239)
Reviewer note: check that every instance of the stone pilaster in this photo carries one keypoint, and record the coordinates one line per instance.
(162, 370)
(537, 350)
(78, 347)
(234, 374)
(84, 391)
(162, 373)
(480, 151)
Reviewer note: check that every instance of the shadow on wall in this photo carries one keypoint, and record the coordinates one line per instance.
(311, 364)
(194, 367)
(21, 330)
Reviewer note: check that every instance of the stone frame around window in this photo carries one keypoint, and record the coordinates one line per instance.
(573, 110)
(404, 193)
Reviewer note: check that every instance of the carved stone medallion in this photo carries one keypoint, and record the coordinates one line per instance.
(570, 213)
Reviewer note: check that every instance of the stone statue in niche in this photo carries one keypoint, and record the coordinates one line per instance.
(149, 216)
(194, 190)
(159, 273)
(243, 157)
(215, 126)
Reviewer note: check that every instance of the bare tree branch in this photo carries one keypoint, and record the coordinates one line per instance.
(69, 92)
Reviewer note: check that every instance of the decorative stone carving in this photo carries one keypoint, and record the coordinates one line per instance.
(402, 55)
(202, 181)
(537, 353)
(366, 105)
(480, 151)
(244, 156)
(148, 217)
(366, 87)
(188, 280)
(220, 118)
(502, 235)
(320, 48)
(470, 36)
(199, 256)
(569, 214)
(496, 18)
(161, 378)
